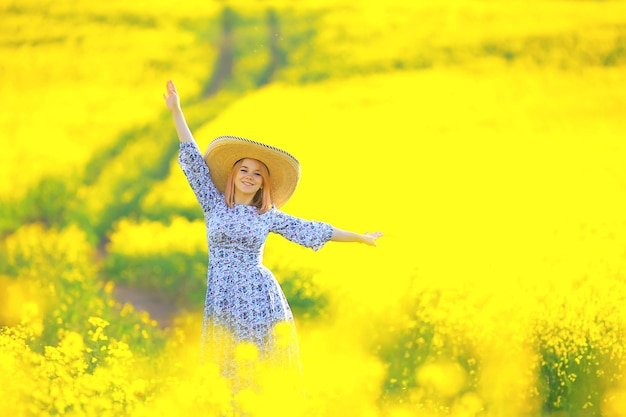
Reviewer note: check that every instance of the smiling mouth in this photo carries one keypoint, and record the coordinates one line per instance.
(249, 184)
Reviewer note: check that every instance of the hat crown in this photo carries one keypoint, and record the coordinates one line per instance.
(227, 138)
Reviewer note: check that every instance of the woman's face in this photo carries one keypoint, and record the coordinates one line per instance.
(248, 179)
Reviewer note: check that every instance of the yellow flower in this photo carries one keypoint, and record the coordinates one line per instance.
(246, 352)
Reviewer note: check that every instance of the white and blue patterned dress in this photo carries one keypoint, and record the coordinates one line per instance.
(244, 301)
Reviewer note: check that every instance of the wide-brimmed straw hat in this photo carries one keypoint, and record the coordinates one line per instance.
(223, 152)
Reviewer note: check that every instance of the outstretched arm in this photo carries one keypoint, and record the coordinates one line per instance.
(173, 104)
(345, 236)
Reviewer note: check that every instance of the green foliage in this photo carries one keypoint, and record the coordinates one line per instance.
(423, 339)
(307, 299)
(577, 370)
(57, 270)
(180, 275)
(245, 55)
(48, 202)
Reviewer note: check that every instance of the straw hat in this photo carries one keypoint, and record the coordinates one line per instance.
(223, 152)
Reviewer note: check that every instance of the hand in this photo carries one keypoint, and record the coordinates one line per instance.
(171, 97)
(370, 238)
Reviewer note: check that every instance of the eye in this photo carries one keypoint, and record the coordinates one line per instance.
(257, 174)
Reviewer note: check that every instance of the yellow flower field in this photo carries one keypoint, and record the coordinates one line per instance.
(485, 139)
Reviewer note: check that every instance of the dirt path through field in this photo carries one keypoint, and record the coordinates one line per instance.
(160, 307)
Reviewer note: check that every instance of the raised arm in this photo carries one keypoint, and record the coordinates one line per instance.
(345, 236)
(173, 104)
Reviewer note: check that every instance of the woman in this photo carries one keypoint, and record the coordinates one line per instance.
(240, 185)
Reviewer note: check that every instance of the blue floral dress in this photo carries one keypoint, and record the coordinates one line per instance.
(244, 304)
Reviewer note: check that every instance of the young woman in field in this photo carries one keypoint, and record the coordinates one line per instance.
(240, 185)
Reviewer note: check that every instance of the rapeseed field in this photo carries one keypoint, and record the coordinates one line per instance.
(484, 138)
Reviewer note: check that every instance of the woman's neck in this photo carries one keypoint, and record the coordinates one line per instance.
(243, 199)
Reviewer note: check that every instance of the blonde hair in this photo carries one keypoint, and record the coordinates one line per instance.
(263, 197)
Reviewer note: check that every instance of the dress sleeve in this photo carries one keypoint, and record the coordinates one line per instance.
(310, 234)
(197, 173)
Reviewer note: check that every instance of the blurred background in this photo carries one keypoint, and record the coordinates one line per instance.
(485, 138)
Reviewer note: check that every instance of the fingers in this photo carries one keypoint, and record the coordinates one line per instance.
(170, 87)
(372, 237)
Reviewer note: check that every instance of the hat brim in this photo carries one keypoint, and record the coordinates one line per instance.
(223, 152)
